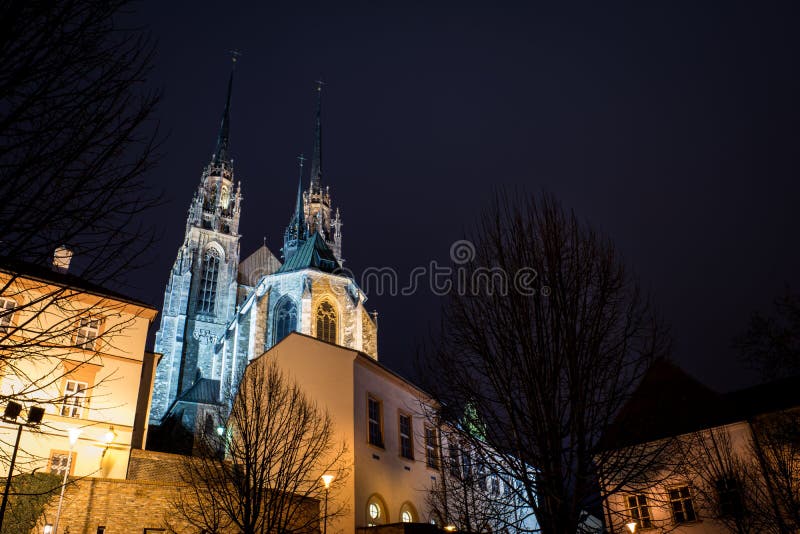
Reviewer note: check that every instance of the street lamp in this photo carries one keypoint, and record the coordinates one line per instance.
(74, 433)
(108, 439)
(35, 414)
(326, 479)
(632, 527)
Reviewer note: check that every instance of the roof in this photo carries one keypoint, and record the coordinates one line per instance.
(670, 402)
(259, 263)
(204, 391)
(313, 254)
(45, 274)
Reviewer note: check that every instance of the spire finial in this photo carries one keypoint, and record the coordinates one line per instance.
(316, 157)
(221, 154)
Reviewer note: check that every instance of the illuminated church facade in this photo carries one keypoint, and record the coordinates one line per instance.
(221, 311)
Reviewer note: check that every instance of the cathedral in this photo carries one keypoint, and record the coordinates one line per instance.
(221, 311)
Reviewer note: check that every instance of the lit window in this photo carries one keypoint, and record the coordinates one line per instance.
(682, 507)
(88, 330)
(374, 418)
(74, 398)
(59, 463)
(326, 322)
(376, 511)
(208, 282)
(407, 513)
(406, 441)
(638, 510)
(431, 448)
(405, 517)
(285, 318)
(6, 313)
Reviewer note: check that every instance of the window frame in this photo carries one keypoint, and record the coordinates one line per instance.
(642, 520)
(209, 282)
(7, 313)
(84, 338)
(682, 500)
(370, 399)
(405, 438)
(74, 410)
(432, 448)
(285, 310)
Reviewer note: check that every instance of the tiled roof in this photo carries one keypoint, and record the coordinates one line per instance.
(314, 254)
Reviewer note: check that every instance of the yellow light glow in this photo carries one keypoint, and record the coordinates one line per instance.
(631, 526)
(327, 479)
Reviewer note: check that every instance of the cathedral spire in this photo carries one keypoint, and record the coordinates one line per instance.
(221, 154)
(299, 210)
(316, 157)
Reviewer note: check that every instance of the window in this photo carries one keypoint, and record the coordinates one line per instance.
(431, 448)
(405, 517)
(375, 421)
(285, 319)
(376, 511)
(407, 513)
(6, 313)
(455, 453)
(406, 437)
(638, 510)
(730, 501)
(88, 330)
(74, 398)
(101, 530)
(326, 322)
(208, 282)
(682, 507)
(59, 463)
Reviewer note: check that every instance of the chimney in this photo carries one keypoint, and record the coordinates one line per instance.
(61, 258)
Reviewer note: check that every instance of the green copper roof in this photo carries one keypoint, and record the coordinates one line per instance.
(313, 254)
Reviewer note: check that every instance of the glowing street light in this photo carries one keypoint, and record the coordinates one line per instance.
(632, 527)
(74, 434)
(326, 480)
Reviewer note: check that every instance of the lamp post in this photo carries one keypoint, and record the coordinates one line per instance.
(326, 479)
(10, 415)
(74, 433)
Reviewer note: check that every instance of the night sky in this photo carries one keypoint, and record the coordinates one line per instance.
(670, 126)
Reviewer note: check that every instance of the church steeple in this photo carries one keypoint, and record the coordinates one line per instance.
(221, 154)
(316, 156)
(297, 231)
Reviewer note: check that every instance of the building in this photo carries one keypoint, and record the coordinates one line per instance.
(76, 350)
(727, 462)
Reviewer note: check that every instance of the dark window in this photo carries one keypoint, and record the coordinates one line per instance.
(326, 322)
(406, 437)
(682, 507)
(730, 499)
(375, 422)
(454, 453)
(466, 463)
(86, 335)
(431, 448)
(639, 511)
(101, 530)
(285, 318)
(208, 282)
(7, 307)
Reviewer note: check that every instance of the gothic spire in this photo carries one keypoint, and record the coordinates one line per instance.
(221, 154)
(299, 210)
(316, 157)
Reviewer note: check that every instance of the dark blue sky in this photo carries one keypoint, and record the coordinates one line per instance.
(670, 126)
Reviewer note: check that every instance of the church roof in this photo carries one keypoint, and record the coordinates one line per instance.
(259, 263)
(204, 391)
(313, 254)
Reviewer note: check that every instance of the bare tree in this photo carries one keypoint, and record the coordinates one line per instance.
(76, 137)
(549, 362)
(267, 475)
(771, 344)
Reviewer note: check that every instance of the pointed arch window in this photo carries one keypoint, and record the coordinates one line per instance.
(326, 322)
(208, 282)
(285, 319)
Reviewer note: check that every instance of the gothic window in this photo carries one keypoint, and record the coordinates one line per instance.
(326, 322)
(285, 319)
(208, 283)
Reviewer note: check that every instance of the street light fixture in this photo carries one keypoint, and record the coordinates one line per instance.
(74, 434)
(632, 527)
(326, 480)
(12, 411)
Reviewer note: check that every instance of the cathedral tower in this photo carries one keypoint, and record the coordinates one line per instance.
(200, 297)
